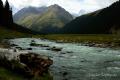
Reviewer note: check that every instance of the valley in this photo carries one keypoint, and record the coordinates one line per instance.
(47, 41)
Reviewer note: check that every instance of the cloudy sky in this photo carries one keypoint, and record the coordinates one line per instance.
(73, 6)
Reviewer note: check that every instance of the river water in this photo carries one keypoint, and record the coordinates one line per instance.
(77, 62)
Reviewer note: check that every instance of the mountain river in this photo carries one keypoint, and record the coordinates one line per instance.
(74, 61)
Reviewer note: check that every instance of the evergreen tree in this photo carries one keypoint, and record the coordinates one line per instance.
(1, 4)
(7, 6)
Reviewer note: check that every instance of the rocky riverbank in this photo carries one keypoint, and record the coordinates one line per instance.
(24, 63)
(92, 40)
(4, 43)
(102, 44)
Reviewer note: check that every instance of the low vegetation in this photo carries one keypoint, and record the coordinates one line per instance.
(7, 33)
(109, 39)
(98, 38)
(9, 75)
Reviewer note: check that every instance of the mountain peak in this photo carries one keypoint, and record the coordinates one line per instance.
(55, 6)
(51, 21)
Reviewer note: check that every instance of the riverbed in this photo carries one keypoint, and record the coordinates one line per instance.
(75, 61)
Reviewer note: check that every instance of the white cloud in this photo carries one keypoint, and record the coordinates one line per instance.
(73, 6)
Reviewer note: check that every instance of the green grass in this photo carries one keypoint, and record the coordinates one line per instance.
(7, 33)
(8, 75)
(78, 38)
(44, 77)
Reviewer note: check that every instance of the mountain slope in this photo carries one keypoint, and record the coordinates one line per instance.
(15, 30)
(106, 20)
(9, 33)
(53, 19)
(27, 11)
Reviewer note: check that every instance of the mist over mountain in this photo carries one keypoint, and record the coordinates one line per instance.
(44, 19)
(81, 12)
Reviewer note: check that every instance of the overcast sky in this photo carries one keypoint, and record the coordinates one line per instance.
(73, 6)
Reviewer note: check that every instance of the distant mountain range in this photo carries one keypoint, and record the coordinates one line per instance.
(81, 12)
(54, 19)
(106, 20)
(44, 19)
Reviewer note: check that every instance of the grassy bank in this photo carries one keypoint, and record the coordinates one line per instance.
(98, 38)
(105, 39)
(6, 74)
(7, 33)
(9, 75)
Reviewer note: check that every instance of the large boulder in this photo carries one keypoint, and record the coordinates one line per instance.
(36, 63)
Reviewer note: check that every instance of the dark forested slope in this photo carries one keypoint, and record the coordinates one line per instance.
(106, 20)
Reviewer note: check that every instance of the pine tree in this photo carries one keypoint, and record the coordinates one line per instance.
(7, 6)
(1, 4)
